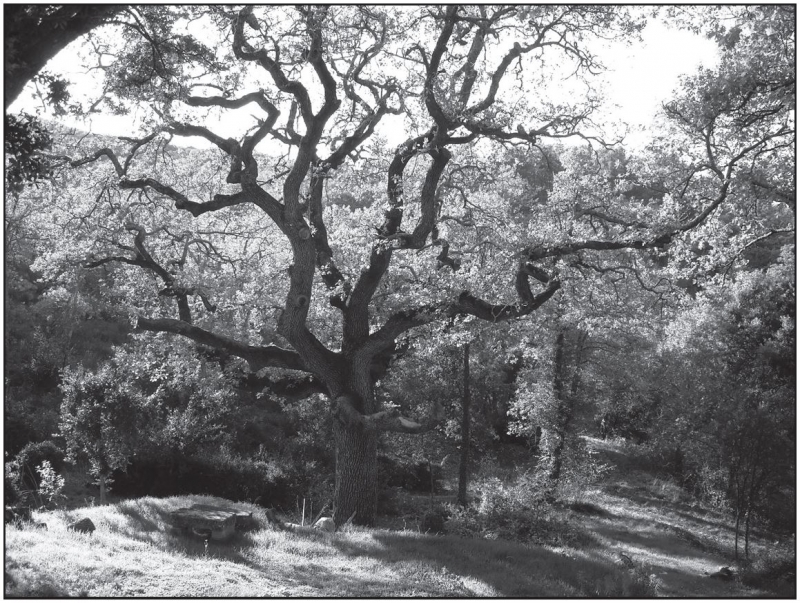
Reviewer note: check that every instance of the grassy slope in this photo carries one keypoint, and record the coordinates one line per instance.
(134, 553)
(660, 526)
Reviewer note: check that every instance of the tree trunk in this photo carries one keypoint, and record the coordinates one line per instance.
(356, 474)
(462, 467)
(102, 480)
(739, 504)
(564, 399)
(356, 493)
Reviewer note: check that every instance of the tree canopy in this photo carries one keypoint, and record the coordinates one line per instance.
(306, 242)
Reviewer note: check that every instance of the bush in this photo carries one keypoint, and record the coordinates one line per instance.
(777, 565)
(414, 476)
(32, 456)
(269, 483)
(511, 511)
(51, 484)
(12, 494)
(632, 583)
(433, 522)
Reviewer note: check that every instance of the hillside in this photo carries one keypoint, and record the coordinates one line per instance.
(639, 537)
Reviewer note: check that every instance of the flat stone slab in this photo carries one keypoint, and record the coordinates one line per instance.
(219, 520)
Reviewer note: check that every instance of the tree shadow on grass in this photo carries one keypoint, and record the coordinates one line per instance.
(624, 493)
(508, 569)
(138, 520)
(154, 526)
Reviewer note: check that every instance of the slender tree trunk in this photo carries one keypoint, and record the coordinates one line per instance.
(558, 393)
(462, 468)
(755, 485)
(102, 480)
(565, 400)
(739, 503)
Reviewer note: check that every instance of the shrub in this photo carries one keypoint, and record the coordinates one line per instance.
(12, 493)
(411, 476)
(269, 483)
(433, 522)
(17, 432)
(51, 484)
(32, 456)
(511, 511)
(771, 566)
(632, 583)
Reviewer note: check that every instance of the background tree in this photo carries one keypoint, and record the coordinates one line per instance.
(99, 422)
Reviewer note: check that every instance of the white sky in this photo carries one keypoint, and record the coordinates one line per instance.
(640, 77)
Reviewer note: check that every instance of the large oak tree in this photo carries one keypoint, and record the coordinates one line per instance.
(321, 88)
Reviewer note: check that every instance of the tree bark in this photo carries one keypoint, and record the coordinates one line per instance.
(565, 400)
(356, 440)
(356, 492)
(462, 467)
(102, 480)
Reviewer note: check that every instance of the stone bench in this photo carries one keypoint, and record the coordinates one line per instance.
(210, 521)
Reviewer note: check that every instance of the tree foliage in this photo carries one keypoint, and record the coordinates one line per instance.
(305, 242)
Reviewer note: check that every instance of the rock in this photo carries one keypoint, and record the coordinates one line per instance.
(199, 519)
(724, 573)
(204, 533)
(84, 525)
(325, 524)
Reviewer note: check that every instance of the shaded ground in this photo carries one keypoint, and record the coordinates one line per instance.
(633, 527)
(654, 523)
(133, 553)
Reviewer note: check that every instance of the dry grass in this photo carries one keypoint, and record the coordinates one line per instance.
(133, 553)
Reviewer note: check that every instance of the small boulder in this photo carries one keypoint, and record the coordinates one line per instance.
(724, 573)
(84, 525)
(198, 519)
(325, 524)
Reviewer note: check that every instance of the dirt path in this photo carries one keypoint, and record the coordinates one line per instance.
(649, 522)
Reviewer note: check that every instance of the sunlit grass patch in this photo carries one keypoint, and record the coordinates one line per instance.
(135, 553)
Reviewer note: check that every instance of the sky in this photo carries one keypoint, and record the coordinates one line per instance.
(644, 75)
(640, 77)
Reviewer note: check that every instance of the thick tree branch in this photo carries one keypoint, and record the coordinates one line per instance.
(257, 356)
(243, 51)
(232, 103)
(262, 199)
